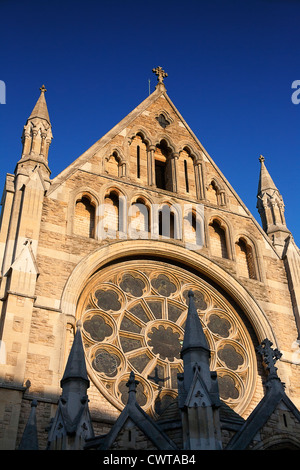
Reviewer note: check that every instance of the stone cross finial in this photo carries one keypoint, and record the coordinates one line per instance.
(43, 89)
(269, 355)
(161, 74)
(132, 383)
(261, 159)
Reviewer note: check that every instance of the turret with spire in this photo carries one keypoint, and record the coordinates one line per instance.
(271, 208)
(198, 391)
(72, 423)
(36, 138)
(29, 440)
(195, 351)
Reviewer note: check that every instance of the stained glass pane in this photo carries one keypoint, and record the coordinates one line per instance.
(174, 373)
(174, 312)
(165, 342)
(106, 362)
(157, 375)
(129, 344)
(163, 285)
(139, 362)
(129, 325)
(219, 325)
(227, 387)
(162, 403)
(156, 308)
(231, 357)
(108, 300)
(98, 328)
(140, 394)
(132, 285)
(139, 312)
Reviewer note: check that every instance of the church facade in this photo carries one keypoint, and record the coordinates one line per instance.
(142, 305)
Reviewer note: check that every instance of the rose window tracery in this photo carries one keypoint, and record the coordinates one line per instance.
(133, 317)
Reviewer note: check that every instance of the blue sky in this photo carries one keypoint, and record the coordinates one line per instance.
(230, 65)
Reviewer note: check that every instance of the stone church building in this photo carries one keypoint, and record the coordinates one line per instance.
(142, 305)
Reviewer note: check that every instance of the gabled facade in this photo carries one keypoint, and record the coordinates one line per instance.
(116, 242)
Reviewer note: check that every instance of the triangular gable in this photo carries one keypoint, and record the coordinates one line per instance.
(260, 416)
(35, 180)
(25, 262)
(71, 426)
(198, 395)
(89, 153)
(62, 424)
(135, 414)
(121, 128)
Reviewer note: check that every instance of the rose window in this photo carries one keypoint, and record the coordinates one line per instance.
(133, 317)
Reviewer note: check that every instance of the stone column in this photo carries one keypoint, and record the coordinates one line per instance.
(43, 150)
(26, 139)
(151, 165)
(222, 197)
(199, 179)
(123, 169)
(35, 147)
(173, 162)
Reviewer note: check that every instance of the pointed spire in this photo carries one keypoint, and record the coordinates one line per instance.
(40, 110)
(198, 393)
(72, 416)
(36, 138)
(76, 366)
(29, 439)
(195, 351)
(265, 181)
(271, 209)
(194, 336)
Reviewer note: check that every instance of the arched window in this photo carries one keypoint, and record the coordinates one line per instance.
(138, 159)
(113, 165)
(186, 172)
(110, 222)
(138, 162)
(212, 193)
(84, 217)
(186, 176)
(139, 215)
(218, 243)
(193, 230)
(168, 223)
(216, 194)
(160, 171)
(163, 167)
(245, 259)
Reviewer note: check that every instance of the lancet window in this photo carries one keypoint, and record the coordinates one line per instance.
(245, 259)
(218, 242)
(84, 217)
